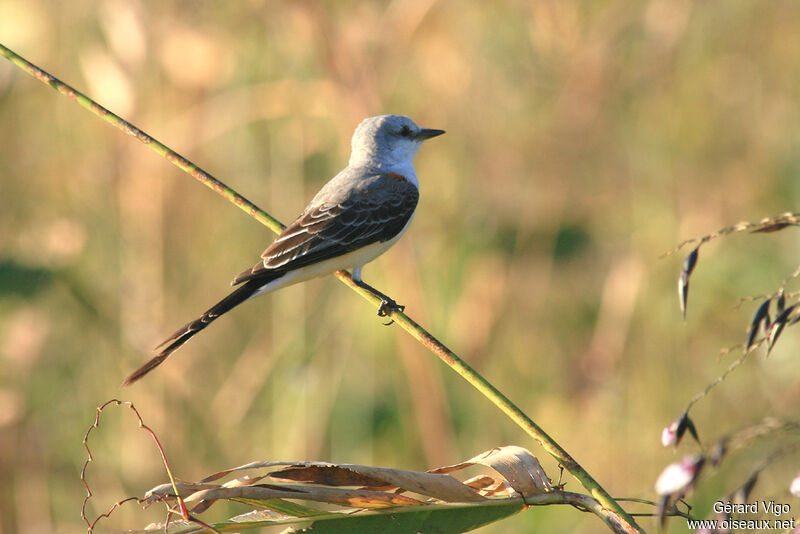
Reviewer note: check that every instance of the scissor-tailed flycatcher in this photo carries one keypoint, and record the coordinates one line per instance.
(353, 219)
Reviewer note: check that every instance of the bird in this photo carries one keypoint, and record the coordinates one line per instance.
(354, 218)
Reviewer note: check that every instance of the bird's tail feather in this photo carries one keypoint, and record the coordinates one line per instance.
(187, 331)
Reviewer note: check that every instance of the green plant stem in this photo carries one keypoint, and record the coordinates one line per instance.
(610, 506)
(161, 149)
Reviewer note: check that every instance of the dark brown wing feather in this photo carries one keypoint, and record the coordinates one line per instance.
(374, 213)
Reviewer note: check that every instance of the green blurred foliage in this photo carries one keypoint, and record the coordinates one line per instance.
(584, 140)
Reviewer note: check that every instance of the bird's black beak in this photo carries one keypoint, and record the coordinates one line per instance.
(427, 133)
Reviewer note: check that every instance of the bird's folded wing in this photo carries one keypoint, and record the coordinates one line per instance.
(376, 211)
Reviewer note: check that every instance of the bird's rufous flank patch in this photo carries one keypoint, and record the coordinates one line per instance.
(397, 176)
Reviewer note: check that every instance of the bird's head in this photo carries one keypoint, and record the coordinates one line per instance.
(387, 140)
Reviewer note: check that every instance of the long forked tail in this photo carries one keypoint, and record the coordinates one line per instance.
(187, 331)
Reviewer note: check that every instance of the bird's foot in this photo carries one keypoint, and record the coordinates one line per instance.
(389, 306)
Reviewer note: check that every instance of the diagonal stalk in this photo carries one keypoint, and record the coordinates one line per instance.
(613, 513)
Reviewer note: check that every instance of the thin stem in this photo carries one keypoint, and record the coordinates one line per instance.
(581, 502)
(161, 149)
(736, 363)
(610, 506)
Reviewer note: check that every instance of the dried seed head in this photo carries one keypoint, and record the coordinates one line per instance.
(679, 476)
(761, 315)
(690, 261)
(669, 436)
(718, 451)
(742, 494)
(673, 433)
(794, 487)
(683, 282)
(777, 327)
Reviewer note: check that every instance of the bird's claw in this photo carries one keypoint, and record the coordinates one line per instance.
(388, 306)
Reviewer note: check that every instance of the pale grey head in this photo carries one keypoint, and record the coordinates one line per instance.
(388, 140)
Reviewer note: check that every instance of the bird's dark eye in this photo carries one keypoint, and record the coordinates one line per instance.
(405, 131)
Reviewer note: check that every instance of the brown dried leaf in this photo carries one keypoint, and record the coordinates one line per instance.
(165, 490)
(328, 475)
(323, 482)
(517, 465)
(489, 486)
(251, 465)
(243, 481)
(438, 486)
(345, 497)
(480, 482)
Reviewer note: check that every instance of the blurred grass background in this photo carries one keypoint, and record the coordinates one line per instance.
(584, 139)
